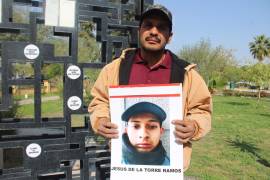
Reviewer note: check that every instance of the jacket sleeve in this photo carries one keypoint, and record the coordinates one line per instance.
(99, 106)
(198, 104)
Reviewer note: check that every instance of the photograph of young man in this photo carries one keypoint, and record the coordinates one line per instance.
(141, 138)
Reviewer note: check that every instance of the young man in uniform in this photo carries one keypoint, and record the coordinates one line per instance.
(153, 64)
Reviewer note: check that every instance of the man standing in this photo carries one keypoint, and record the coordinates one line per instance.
(153, 64)
(141, 139)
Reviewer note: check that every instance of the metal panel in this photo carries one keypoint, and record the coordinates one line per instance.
(44, 146)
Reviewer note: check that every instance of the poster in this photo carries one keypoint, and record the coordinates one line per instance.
(146, 147)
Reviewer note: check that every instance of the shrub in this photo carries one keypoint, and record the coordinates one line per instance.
(228, 92)
(11, 113)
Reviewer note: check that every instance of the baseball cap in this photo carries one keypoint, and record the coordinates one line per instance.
(144, 107)
(158, 9)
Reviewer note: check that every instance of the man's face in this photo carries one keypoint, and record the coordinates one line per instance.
(144, 132)
(154, 33)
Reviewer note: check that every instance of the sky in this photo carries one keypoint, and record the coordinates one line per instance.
(229, 23)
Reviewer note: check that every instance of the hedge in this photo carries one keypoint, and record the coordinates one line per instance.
(228, 92)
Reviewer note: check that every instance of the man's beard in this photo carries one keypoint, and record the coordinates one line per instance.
(153, 50)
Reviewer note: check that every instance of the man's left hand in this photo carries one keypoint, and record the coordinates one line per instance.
(184, 130)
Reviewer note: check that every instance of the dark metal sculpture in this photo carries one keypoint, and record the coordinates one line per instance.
(48, 147)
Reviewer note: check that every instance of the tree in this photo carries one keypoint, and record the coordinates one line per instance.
(22, 70)
(51, 71)
(18, 17)
(260, 75)
(260, 47)
(89, 49)
(233, 74)
(211, 62)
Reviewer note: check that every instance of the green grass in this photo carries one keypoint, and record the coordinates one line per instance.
(239, 139)
(238, 146)
(31, 96)
(48, 109)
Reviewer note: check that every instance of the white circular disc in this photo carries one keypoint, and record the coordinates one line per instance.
(74, 103)
(73, 72)
(33, 150)
(31, 51)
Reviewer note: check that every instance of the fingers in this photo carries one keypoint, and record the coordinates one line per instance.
(181, 138)
(182, 135)
(184, 130)
(182, 122)
(108, 129)
(181, 141)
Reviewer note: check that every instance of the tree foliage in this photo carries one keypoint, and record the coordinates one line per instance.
(51, 71)
(260, 47)
(212, 63)
(22, 70)
(259, 74)
(233, 73)
(17, 17)
(89, 48)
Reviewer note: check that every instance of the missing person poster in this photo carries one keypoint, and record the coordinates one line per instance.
(146, 147)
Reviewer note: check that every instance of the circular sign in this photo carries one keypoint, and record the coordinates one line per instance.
(74, 103)
(33, 150)
(73, 72)
(31, 51)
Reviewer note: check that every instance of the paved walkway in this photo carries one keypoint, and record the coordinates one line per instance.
(44, 99)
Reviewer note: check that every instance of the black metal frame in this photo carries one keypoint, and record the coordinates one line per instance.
(60, 149)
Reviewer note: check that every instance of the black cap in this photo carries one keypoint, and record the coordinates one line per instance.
(144, 107)
(159, 9)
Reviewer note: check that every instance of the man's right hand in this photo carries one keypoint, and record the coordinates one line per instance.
(107, 129)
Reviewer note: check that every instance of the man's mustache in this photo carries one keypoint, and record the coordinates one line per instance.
(152, 38)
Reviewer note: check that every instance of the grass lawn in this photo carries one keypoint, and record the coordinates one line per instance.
(238, 147)
(31, 96)
(48, 109)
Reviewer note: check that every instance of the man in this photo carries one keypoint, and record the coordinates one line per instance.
(153, 64)
(141, 140)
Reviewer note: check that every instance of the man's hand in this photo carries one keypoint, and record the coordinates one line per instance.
(107, 129)
(184, 130)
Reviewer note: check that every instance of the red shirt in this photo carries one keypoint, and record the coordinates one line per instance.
(157, 74)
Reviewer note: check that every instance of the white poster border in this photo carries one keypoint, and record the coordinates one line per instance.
(158, 172)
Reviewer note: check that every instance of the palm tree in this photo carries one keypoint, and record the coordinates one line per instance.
(260, 48)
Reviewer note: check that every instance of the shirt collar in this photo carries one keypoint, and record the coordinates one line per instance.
(165, 63)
